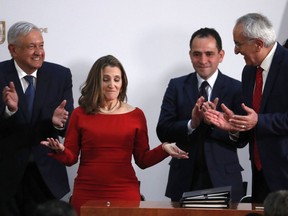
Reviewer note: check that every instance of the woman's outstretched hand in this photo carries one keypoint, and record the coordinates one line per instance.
(53, 144)
(174, 151)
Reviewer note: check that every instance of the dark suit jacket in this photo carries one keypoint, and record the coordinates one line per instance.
(220, 152)
(19, 137)
(272, 127)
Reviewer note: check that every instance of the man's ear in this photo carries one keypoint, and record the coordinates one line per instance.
(259, 44)
(11, 49)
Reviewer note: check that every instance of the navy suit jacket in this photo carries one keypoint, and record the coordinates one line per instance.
(272, 127)
(20, 137)
(220, 152)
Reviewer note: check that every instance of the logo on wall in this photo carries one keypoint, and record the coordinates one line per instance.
(2, 32)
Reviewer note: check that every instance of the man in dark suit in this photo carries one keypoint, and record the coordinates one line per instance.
(265, 127)
(28, 175)
(213, 159)
(286, 43)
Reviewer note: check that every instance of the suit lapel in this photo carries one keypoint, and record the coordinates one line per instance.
(42, 88)
(218, 88)
(271, 78)
(191, 88)
(249, 76)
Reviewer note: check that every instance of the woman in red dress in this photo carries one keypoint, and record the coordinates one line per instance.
(105, 132)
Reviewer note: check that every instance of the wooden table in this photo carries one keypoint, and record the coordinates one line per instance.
(151, 208)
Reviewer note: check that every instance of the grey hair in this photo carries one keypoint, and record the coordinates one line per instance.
(257, 26)
(20, 29)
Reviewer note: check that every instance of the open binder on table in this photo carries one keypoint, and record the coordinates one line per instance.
(219, 197)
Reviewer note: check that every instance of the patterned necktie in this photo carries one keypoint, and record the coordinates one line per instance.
(30, 93)
(256, 106)
(203, 90)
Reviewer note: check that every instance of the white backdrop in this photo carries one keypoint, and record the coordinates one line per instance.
(151, 39)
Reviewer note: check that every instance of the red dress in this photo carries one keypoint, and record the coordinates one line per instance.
(105, 144)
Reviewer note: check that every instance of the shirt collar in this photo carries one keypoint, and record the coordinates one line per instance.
(266, 63)
(21, 73)
(211, 80)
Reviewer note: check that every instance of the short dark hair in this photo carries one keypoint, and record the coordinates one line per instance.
(206, 32)
(55, 208)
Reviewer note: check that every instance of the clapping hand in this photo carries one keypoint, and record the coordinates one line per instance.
(227, 120)
(10, 97)
(60, 115)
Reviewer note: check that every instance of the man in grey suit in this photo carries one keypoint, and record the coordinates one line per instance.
(213, 159)
(28, 175)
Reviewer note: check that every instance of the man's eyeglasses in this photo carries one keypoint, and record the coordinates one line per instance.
(238, 45)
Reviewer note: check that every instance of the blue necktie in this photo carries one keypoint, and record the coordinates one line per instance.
(30, 93)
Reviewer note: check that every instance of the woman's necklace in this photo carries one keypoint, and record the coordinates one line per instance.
(111, 109)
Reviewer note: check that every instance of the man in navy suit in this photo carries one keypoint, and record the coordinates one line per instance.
(28, 175)
(265, 129)
(286, 43)
(213, 159)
